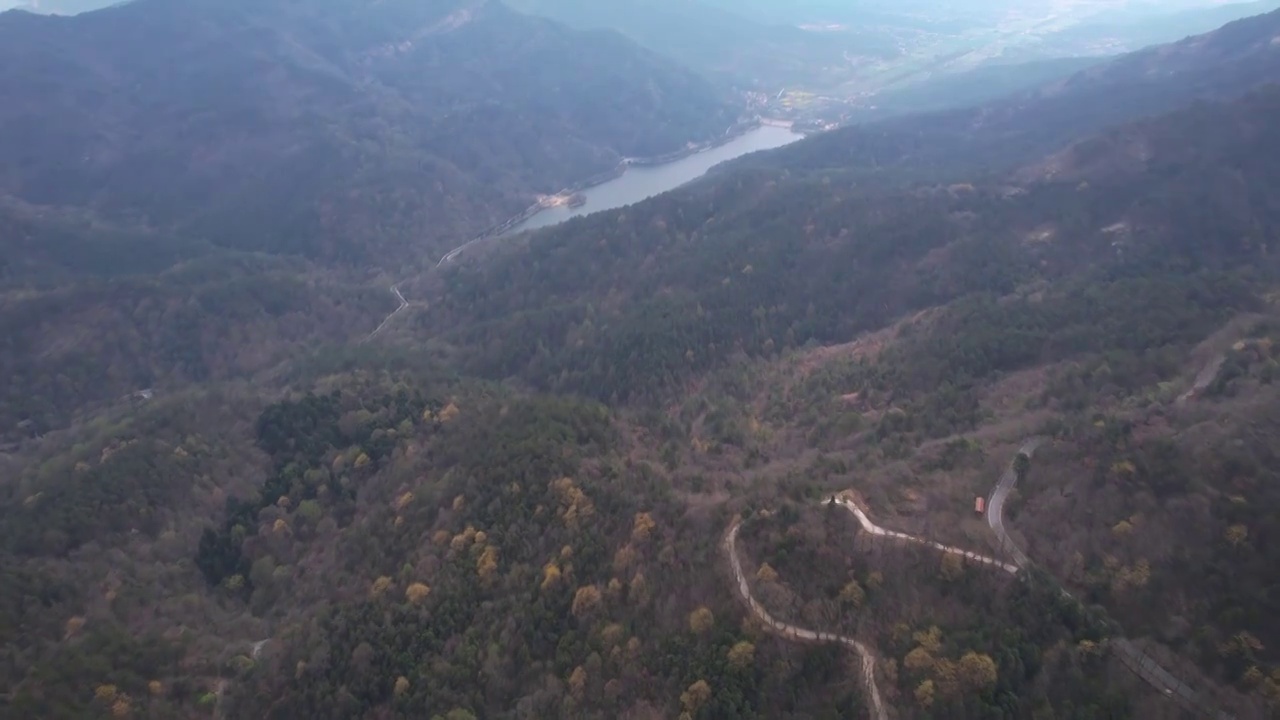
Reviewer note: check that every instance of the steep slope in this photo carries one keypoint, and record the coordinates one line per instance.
(340, 130)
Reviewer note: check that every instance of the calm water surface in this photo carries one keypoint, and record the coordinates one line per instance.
(639, 183)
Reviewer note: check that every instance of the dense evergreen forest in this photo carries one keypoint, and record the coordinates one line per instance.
(225, 495)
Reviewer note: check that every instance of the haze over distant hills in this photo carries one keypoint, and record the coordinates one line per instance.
(719, 41)
(885, 56)
(1224, 63)
(863, 60)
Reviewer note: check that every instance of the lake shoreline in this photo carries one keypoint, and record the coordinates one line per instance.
(733, 133)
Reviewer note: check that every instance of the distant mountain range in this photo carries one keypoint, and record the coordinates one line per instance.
(721, 42)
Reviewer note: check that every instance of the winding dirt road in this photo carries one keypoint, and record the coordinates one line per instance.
(791, 632)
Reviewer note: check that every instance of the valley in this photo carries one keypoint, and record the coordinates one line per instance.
(637, 179)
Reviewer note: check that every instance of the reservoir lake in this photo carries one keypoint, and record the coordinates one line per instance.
(640, 182)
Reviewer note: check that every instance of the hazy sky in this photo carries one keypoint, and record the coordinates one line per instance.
(72, 6)
(61, 7)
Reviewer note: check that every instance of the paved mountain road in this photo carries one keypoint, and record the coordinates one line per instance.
(874, 529)
(1206, 377)
(395, 290)
(791, 632)
(1135, 659)
(1143, 665)
(995, 504)
(799, 634)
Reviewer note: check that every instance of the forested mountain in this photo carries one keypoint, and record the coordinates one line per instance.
(151, 150)
(587, 472)
(335, 130)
